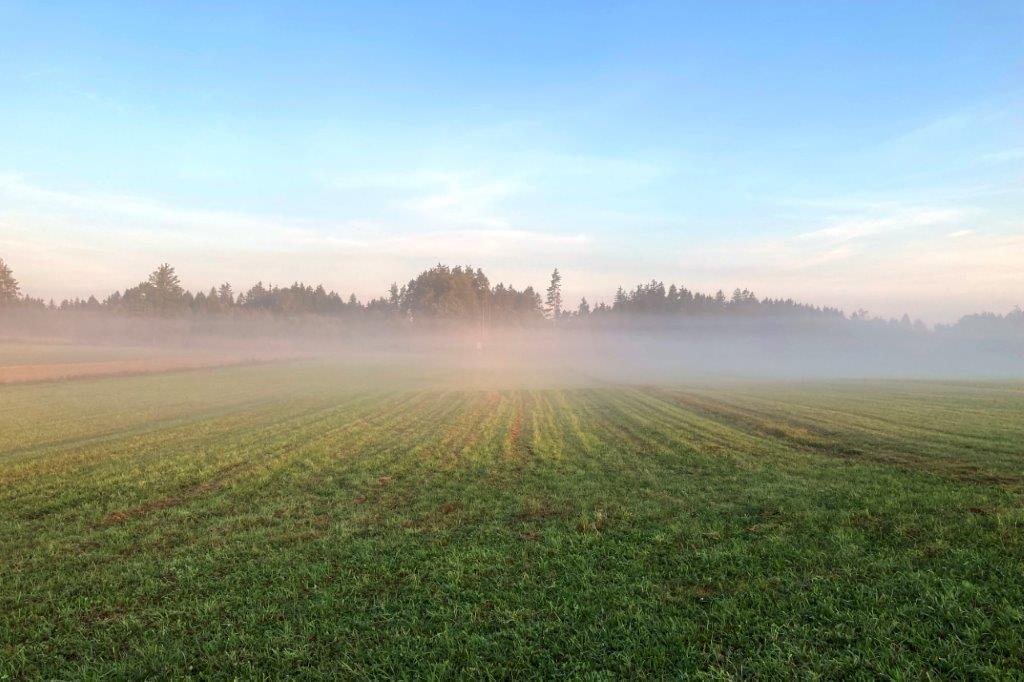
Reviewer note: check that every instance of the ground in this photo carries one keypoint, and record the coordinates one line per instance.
(33, 362)
(320, 518)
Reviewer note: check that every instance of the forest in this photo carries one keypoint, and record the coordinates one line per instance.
(462, 294)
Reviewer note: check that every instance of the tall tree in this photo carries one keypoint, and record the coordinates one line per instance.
(165, 280)
(9, 290)
(163, 291)
(620, 301)
(584, 308)
(553, 302)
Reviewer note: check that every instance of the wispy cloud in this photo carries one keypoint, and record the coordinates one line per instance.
(496, 192)
(937, 261)
(43, 225)
(83, 208)
(914, 253)
(853, 228)
(462, 201)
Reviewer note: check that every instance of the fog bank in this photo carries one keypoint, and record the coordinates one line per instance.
(638, 350)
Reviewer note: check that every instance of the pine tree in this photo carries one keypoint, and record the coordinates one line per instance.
(554, 298)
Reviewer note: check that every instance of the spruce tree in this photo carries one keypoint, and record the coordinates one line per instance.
(554, 298)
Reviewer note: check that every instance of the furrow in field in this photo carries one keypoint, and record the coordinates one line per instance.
(390, 418)
(260, 475)
(161, 444)
(814, 437)
(685, 437)
(892, 418)
(174, 467)
(262, 458)
(901, 423)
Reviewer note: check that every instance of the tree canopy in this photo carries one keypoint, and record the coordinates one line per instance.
(445, 295)
(9, 290)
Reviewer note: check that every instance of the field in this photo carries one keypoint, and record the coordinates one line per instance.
(25, 363)
(319, 518)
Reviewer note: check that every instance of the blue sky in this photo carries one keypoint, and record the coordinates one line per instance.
(852, 154)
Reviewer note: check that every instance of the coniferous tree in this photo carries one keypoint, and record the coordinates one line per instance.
(9, 290)
(394, 296)
(620, 302)
(164, 293)
(553, 302)
(226, 295)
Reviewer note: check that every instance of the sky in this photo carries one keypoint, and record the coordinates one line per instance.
(859, 155)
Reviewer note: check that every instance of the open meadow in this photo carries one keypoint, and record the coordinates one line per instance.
(319, 518)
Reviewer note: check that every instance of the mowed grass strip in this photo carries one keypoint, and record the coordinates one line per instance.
(324, 520)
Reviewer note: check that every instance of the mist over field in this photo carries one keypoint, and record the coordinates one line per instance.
(645, 351)
(455, 318)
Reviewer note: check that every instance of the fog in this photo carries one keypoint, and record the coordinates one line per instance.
(637, 350)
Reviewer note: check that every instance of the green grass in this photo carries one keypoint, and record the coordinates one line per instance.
(317, 519)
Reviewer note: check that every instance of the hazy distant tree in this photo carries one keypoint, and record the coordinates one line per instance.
(553, 301)
(443, 293)
(584, 308)
(226, 295)
(206, 303)
(620, 301)
(162, 292)
(463, 295)
(9, 290)
(165, 280)
(114, 302)
(672, 298)
(394, 296)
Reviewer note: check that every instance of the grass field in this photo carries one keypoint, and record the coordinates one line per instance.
(314, 518)
(26, 363)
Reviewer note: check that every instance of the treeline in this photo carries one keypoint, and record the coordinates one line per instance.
(988, 324)
(440, 293)
(654, 299)
(460, 294)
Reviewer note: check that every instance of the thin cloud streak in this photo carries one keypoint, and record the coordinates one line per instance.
(102, 242)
